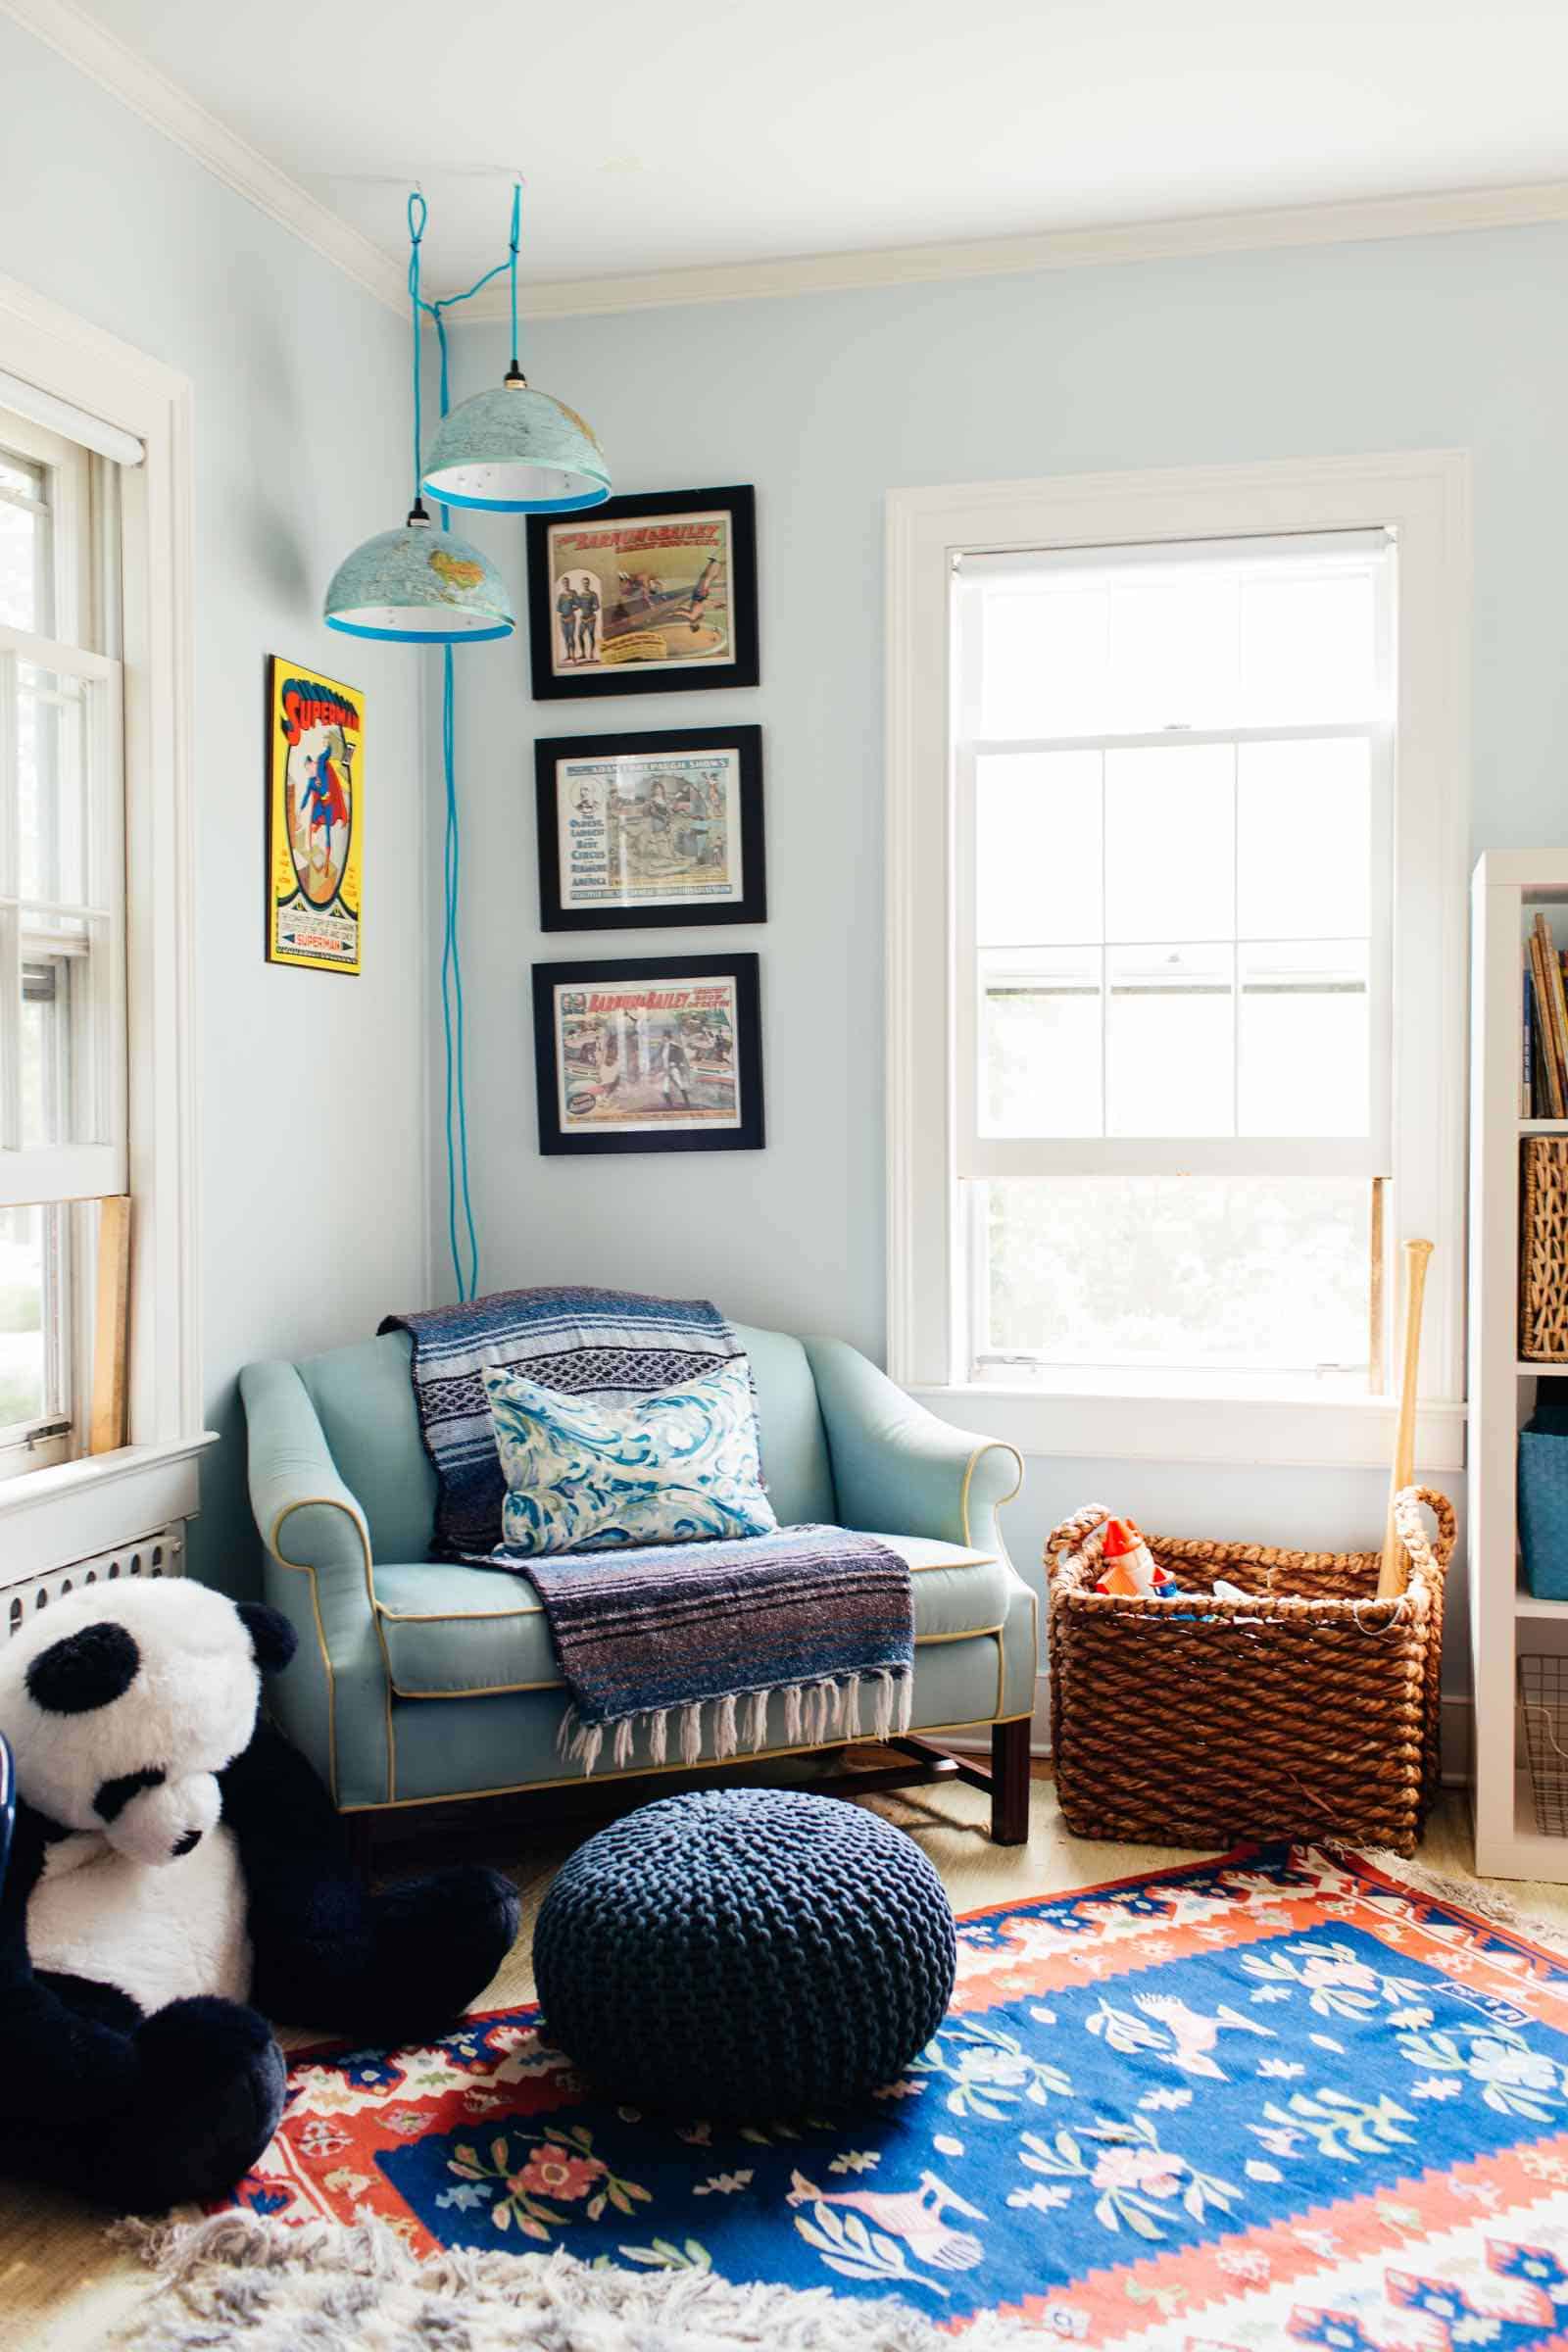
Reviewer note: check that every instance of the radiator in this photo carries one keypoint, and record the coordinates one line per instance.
(159, 1553)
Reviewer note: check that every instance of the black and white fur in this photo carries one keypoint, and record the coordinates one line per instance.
(175, 1860)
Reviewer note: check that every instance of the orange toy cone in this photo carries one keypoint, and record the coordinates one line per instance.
(1127, 1565)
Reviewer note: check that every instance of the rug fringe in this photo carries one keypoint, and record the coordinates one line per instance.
(1484, 1898)
(241, 2276)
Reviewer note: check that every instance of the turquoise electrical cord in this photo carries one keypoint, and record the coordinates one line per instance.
(512, 246)
(465, 1252)
(415, 234)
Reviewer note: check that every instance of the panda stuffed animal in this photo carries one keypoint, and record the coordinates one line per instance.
(174, 1860)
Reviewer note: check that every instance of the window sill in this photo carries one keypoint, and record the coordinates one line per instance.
(53, 1516)
(1307, 1431)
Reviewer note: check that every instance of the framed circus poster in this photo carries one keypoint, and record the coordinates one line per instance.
(649, 1053)
(651, 594)
(315, 818)
(644, 831)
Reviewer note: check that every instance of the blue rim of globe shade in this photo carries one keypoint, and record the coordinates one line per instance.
(419, 586)
(515, 451)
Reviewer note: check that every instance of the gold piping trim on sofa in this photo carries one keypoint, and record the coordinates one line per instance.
(453, 1616)
(334, 1502)
(391, 1743)
(968, 1473)
(644, 1772)
(981, 1560)
(981, 1633)
(487, 1691)
(303, 1568)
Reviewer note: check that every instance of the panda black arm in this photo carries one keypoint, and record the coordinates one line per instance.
(55, 2062)
(387, 1968)
(310, 1917)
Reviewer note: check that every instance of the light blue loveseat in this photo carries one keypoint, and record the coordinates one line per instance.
(417, 1683)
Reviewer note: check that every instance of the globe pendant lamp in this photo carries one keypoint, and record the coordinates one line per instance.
(512, 450)
(418, 585)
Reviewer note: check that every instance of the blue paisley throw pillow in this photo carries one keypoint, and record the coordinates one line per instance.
(674, 1468)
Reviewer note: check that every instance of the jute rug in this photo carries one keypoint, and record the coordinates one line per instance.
(1289, 2097)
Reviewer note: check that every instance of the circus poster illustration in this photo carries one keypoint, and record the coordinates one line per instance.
(649, 1053)
(652, 592)
(315, 730)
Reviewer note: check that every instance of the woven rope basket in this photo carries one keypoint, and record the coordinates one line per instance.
(1543, 1251)
(1310, 1709)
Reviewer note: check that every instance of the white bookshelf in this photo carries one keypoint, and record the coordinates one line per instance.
(1508, 886)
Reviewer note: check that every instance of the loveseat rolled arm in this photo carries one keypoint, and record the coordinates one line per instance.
(898, 1467)
(319, 1573)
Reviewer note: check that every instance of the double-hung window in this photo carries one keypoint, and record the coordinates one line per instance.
(62, 1128)
(1175, 950)
(1172, 810)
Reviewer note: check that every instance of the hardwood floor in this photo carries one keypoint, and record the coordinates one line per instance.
(63, 2290)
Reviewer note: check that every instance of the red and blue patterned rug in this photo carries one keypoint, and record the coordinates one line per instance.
(1276, 2099)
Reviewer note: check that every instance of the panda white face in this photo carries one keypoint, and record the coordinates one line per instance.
(124, 1701)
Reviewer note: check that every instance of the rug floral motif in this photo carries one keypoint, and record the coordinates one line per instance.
(1276, 2099)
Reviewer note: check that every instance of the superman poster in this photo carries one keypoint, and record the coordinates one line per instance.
(316, 734)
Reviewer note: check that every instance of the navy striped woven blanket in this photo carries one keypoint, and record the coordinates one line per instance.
(815, 1624)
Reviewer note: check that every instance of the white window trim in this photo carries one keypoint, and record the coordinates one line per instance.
(64, 1512)
(1424, 496)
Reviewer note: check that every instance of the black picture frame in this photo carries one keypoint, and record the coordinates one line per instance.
(661, 509)
(553, 753)
(735, 979)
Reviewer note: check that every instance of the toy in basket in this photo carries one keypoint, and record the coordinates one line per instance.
(1305, 1706)
(1126, 1563)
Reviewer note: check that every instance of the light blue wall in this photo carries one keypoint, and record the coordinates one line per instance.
(824, 403)
(310, 1087)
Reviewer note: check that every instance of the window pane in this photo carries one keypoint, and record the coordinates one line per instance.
(51, 785)
(1304, 1038)
(1044, 660)
(24, 601)
(1038, 848)
(1040, 1043)
(1303, 838)
(1170, 1047)
(1170, 850)
(47, 1111)
(1251, 1273)
(1308, 647)
(23, 1368)
(1173, 648)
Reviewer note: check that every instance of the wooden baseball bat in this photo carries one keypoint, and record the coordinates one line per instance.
(1395, 1569)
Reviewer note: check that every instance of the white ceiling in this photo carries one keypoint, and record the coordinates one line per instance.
(714, 131)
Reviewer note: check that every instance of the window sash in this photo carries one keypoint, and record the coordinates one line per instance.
(978, 1155)
(95, 1162)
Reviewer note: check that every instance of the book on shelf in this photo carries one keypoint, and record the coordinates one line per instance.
(1527, 1066)
(1543, 1072)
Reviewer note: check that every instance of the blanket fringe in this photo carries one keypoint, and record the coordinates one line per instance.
(815, 1713)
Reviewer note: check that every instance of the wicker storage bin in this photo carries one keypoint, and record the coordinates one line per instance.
(1543, 1249)
(1310, 1709)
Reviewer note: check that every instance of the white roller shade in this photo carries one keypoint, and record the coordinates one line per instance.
(71, 423)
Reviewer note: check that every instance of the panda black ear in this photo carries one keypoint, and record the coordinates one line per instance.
(83, 1670)
(273, 1638)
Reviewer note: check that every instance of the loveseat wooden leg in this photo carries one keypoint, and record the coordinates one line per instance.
(1009, 1783)
(359, 1831)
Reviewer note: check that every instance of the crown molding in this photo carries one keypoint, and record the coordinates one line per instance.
(117, 69)
(107, 60)
(1355, 221)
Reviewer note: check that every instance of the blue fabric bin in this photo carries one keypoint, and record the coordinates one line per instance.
(1543, 1508)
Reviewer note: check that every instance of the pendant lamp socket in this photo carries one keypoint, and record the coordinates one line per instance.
(516, 451)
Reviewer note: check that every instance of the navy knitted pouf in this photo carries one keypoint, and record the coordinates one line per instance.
(744, 1953)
